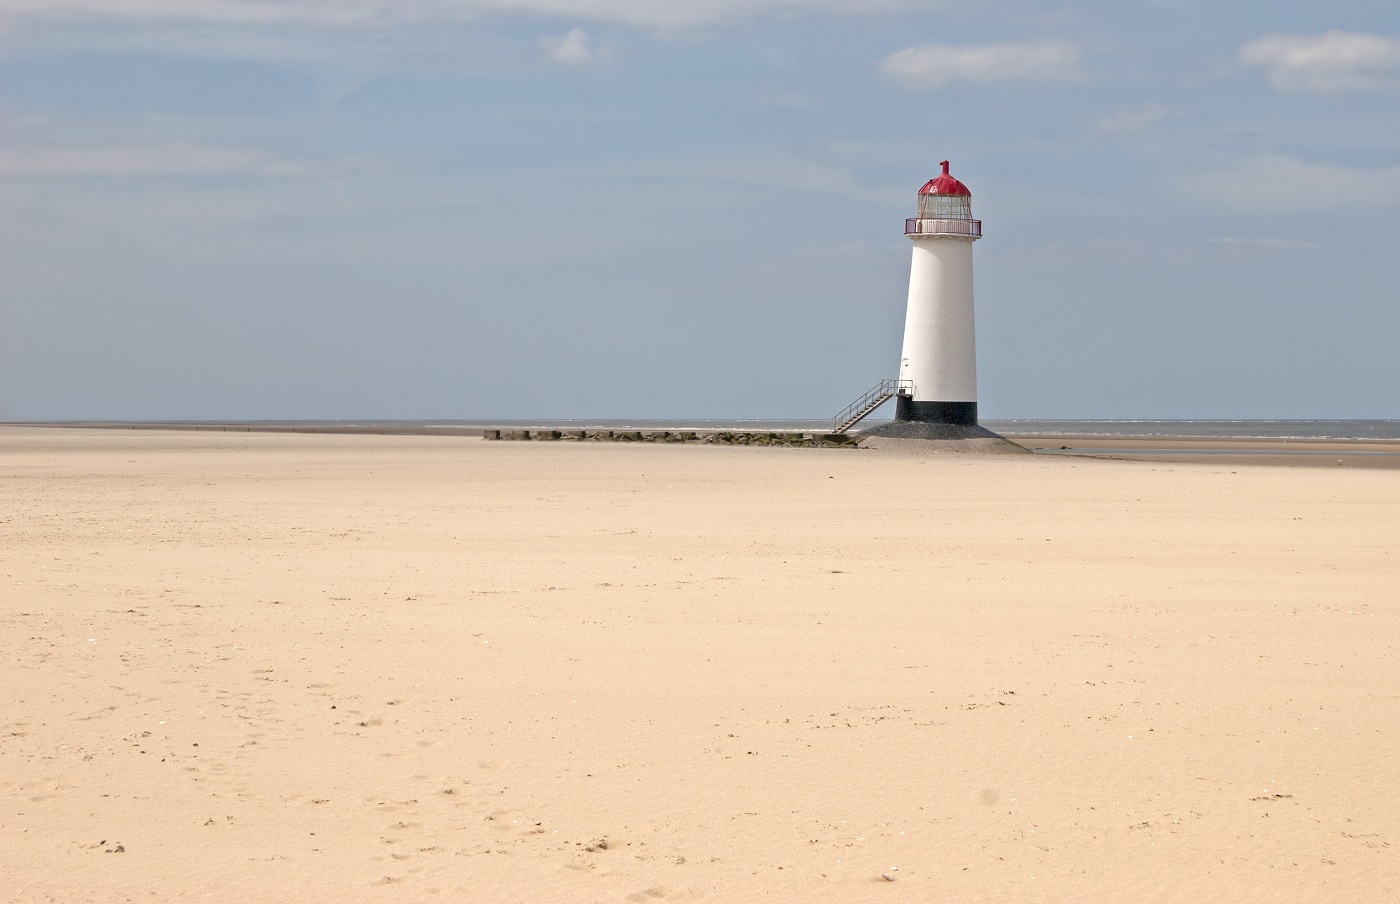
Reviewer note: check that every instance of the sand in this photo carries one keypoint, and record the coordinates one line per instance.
(293, 668)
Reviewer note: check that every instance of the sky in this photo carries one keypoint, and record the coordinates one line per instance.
(633, 208)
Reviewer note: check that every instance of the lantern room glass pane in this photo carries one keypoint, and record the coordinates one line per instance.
(945, 207)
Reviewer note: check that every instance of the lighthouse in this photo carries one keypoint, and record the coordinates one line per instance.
(938, 366)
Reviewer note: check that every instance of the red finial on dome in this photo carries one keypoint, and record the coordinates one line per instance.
(944, 184)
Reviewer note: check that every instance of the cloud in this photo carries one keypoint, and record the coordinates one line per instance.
(640, 13)
(107, 84)
(572, 49)
(1132, 122)
(1326, 63)
(234, 12)
(1276, 184)
(935, 65)
(166, 159)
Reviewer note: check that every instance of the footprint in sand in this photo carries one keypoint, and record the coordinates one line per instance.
(657, 893)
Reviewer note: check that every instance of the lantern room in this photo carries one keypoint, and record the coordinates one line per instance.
(945, 208)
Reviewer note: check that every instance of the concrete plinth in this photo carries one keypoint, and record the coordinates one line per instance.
(926, 436)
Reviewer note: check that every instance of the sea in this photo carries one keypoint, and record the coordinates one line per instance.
(1356, 429)
(1203, 429)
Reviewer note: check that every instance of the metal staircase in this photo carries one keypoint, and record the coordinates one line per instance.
(881, 393)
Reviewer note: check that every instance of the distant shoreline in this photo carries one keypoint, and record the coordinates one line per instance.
(1380, 450)
(1338, 430)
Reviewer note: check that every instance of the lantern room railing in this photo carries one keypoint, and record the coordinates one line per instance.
(919, 226)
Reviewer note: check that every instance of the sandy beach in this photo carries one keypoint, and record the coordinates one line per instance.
(292, 668)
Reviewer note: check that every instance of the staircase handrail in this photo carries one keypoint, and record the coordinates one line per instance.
(872, 399)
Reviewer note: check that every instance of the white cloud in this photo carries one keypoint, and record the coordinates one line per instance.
(641, 13)
(935, 65)
(1277, 184)
(572, 49)
(166, 159)
(1132, 122)
(235, 12)
(1326, 63)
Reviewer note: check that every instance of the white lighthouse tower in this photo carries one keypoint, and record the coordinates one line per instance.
(938, 368)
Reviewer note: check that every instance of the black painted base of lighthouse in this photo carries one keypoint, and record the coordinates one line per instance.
(961, 413)
(950, 424)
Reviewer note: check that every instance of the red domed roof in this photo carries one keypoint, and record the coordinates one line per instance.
(944, 185)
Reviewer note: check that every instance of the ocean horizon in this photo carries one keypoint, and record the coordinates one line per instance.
(1339, 429)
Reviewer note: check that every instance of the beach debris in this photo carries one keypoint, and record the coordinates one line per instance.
(720, 437)
(600, 845)
(890, 875)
